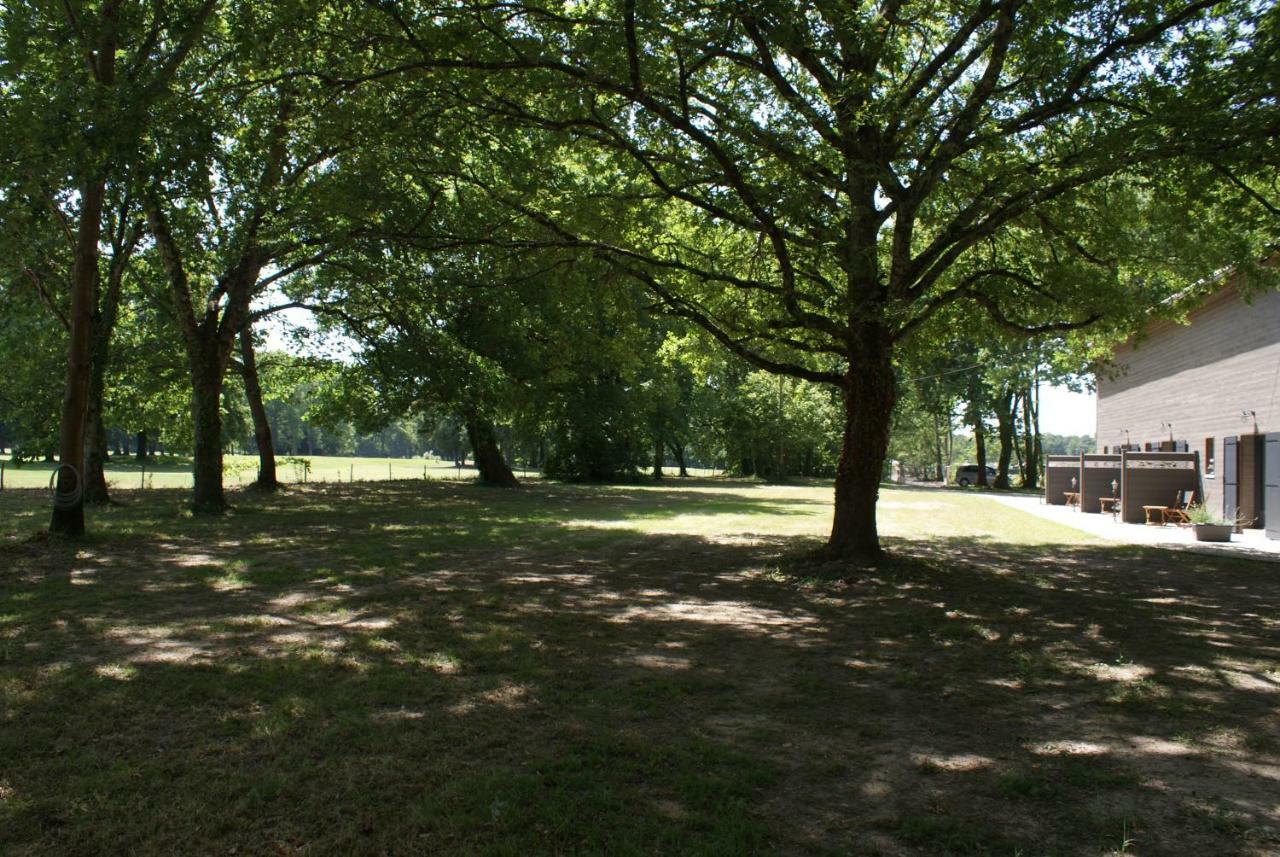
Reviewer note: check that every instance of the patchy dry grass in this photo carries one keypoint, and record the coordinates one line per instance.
(411, 668)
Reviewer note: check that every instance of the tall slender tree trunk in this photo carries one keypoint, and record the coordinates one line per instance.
(1018, 445)
(206, 411)
(104, 325)
(658, 458)
(96, 491)
(870, 391)
(266, 480)
(1005, 423)
(938, 470)
(488, 457)
(1030, 441)
(68, 504)
(68, 508)
(979, 443)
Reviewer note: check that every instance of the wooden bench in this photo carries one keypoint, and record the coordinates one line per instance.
(1155, 515)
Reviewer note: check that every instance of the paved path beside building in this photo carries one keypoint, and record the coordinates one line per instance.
(1251, 544)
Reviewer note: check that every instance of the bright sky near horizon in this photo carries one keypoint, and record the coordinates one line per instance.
(1065, 412)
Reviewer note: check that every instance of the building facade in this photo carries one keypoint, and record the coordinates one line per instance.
(1212, 386)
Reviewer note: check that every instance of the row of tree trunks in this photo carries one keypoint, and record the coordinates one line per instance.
(1018, 431)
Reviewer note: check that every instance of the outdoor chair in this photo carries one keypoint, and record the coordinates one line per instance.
(1178, 513)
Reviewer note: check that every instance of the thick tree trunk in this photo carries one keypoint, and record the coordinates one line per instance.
(658, 458)
(96, 491)
(1006, 415)
(104, 325)
(206, 411)
(1030, 441)
(870, 391)
(261, 426)
(488, 457)
(68, 506)
(677, 450)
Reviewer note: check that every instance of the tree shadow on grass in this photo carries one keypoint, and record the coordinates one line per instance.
(345, 688)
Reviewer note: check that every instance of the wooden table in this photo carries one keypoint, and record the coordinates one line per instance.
(1156, 512)
(1073, 497)
(1114, 508)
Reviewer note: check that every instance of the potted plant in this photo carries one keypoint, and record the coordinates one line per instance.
(1209, 525)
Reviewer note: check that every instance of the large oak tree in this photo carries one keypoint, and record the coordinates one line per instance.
(821, 178)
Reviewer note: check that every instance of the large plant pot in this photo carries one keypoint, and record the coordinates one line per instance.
(1213, 532)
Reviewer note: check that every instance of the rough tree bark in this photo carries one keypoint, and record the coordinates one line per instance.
(488, 457)
(979, 443)
(870, 391)
(266, 480)
(210, 330)
(68, 516)
(677, 450)
(104, 323)
(206, 371)
(939, 469)
(96, 491)
(1006, 421)
(1030, 440)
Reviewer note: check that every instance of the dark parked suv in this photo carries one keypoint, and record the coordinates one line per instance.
(967, 474)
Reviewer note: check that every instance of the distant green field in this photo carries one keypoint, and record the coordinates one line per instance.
(168, 472)
(171, 472)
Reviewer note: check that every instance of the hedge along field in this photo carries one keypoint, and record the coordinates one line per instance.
(433, 667)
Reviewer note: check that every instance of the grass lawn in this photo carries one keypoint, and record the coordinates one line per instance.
(431, 667)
